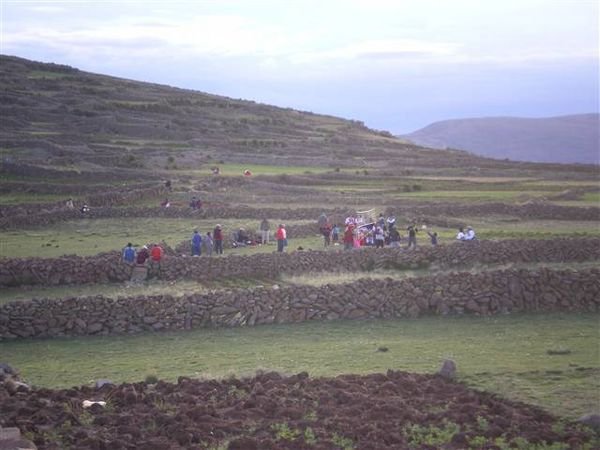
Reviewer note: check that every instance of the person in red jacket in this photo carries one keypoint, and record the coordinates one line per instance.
(281, 237)
(156, 255)
(349, 237)
(218, 240)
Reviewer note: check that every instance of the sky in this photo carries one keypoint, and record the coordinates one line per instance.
(396, 65)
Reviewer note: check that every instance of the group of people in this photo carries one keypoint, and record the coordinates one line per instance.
(149, 255)
(380, 233)
(468, 235)
(242, 237)
(210, 242)
(357, 233)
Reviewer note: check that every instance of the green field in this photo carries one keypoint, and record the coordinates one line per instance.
(506, 354)
(88, 237)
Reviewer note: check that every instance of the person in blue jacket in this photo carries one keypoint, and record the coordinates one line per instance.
(129, 254)
(196, 244)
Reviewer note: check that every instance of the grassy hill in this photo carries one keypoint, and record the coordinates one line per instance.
(564, 139)
(57, 117)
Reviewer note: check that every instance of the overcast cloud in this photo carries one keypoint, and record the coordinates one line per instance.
(396, 65)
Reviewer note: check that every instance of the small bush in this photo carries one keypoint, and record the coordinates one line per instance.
(151, 379)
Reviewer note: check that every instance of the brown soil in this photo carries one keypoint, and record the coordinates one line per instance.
(380, 411)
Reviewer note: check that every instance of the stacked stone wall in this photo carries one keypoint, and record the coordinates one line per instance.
(58, 213)
(108, 267)
(485, 293)
(25, 216)
(30, 215)
(530, 211)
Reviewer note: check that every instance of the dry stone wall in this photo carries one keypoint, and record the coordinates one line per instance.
(531, 210)
(24, 216)
(58, 213)
(485, 293)
(108, 267)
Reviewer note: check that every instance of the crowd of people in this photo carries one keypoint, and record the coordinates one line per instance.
(357, 231)
(206, 244)
(380, 233)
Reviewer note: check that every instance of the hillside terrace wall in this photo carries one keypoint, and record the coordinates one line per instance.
(47, 217)
(22, 216)
(486, 293)
(532, 210)
(46, 213)
(108, 267)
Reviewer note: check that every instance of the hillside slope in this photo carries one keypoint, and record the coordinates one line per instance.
(58, 121)
(59, 116)
(564, 139)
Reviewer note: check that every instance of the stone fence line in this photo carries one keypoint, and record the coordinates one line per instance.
(484, 293)
(108, 267)
(531, 210)
(24, 216)
(46, 217)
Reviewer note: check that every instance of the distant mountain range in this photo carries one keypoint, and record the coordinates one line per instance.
(562, 139)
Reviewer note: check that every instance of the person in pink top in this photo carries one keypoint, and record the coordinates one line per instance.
(281, 237)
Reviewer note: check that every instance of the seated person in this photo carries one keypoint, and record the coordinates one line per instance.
(470, 234)
(243, 238)
(84, 209)
(460, 236)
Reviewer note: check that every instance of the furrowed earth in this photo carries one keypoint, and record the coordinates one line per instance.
(271, 411)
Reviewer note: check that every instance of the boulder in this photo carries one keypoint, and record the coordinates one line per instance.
(591, 420)
(448, 369)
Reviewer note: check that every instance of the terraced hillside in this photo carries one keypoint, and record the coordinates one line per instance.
(60, 116)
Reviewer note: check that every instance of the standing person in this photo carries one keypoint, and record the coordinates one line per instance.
(129, 254)
(349, 237)
(265, 228)
(218, 240)
(379, 236)
(381, 222)
(394, 237)
(196, 244)
(70, 204)
(142, 256)
(412, 236)
(208, 243)
(156, 255)
(281, 237)
(335, 234)
(322, 220)
(326, 231)
(434, 238)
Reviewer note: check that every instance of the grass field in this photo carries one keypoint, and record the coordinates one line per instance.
(506, 354)
(89, 237)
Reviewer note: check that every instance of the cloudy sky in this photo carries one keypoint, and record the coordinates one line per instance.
(397, 65)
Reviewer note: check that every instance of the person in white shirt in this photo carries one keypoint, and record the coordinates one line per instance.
(470, 234)
(461, 235)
